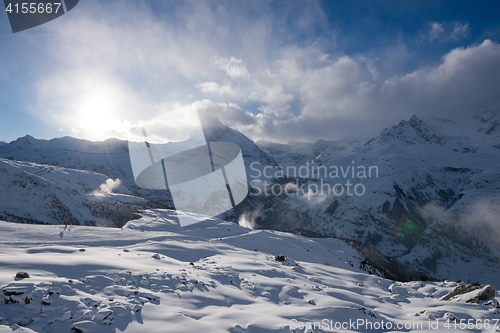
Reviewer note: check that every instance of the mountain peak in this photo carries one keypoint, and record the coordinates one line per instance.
(414, 120)
(213, 128)
(27, 139)
(490, 121)
(410, 132)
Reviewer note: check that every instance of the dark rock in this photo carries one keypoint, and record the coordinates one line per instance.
(483, 296)
(22, 275)
(487, 293)
(332, 208)
(280, 257)
(12, 292)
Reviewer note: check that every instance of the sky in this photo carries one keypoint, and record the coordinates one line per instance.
(275, 70)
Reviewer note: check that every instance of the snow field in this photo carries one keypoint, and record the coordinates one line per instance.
(206, 278)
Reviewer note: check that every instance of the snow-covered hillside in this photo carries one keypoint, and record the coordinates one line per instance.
(213, 276)
(111, 157)
(431, 204)
(35, 193)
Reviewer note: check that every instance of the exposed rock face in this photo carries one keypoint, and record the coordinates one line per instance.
(487, 293)
(470, 293)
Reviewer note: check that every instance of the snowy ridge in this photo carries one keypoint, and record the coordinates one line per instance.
(36, 193)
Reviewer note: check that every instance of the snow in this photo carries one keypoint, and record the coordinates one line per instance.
(213, 276)
(452, 164)
(49, 194)
(435, 176)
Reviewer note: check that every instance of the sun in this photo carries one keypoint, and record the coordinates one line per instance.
(97, 116)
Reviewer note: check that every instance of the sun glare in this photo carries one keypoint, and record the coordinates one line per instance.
(97, 116)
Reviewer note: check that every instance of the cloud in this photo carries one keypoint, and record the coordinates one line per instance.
(257, 78)
(465, 78)
(247, 219)
(274, 101)
(444, 31)
(435, 31)
(335, 89)
(476, 223)
(214, 87)
(108, 186)
(135, 71)
(345, 98)
(233, 67)
(460, 30)
(432, 211)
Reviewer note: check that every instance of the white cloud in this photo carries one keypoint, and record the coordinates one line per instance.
(235, 68)
(108, 186)
(335, 89)
(247, 219)
(115, 75)
(215, 88)
(274, 100)
(436, 30)
(444, 31)
(344, 98)
(460, 30)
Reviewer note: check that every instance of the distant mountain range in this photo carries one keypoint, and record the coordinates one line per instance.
(434, 205)
(429, 209)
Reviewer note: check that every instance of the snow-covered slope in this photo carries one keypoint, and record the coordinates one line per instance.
(111, 157)
(214, 277)
(422, 172)
(35, 193)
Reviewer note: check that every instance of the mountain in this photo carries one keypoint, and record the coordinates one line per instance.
(216, 131)
(109, 159)
(295, 153)
(288, 154)
(35, 193)
(424, 181)
(418, 199)
(213, 277)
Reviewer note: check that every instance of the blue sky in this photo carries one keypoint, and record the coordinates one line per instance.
(276, 70)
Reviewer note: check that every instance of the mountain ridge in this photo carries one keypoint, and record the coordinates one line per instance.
(422, 172)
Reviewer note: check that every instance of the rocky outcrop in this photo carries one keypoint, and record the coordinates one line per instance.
(470, 293)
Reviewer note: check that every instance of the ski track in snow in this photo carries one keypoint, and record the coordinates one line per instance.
(213, 276)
